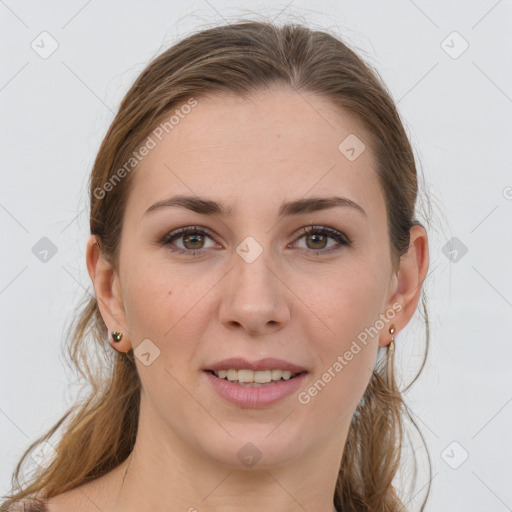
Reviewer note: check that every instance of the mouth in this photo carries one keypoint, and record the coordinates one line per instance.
(253, 379)
(240, 386)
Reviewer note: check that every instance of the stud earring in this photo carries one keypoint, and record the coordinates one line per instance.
(116, 336)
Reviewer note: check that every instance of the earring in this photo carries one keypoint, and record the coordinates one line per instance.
(116, 336)
(392, 330)
(390, 379)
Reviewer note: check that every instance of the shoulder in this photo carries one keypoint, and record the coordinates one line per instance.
(61, 503)
(29, 505)
(65, 502)
(84, 498)
(87, 497)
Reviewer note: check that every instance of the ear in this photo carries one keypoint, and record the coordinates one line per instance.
(108, 293)
(408, 282)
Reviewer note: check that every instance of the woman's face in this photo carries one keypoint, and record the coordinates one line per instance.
(249, 283)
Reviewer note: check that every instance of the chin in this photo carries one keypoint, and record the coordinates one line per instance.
(260, 448)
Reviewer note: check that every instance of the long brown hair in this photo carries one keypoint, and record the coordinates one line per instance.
(240, 58)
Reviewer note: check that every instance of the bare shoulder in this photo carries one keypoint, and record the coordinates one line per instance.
(96, 495)
(60, 503)
(82, 499)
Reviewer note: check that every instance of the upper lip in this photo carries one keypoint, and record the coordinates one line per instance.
(268, 363)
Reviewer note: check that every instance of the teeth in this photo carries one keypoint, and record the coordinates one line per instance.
(260, 377)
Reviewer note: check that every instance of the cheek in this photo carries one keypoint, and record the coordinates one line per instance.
(347, 357)
(166, 306)
(348, 304)
(348, 350)
(149, 301)
(340, 387)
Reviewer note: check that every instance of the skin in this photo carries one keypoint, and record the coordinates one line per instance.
(293, 302)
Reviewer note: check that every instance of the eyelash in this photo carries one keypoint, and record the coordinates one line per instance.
(339, 237)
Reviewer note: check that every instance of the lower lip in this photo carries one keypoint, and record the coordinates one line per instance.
(256, 397)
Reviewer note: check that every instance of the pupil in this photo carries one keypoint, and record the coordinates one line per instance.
(318, 236)
(189, 237)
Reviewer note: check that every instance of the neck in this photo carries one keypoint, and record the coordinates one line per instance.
(163, 473)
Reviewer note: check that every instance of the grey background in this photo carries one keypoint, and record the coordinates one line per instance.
(456, 108)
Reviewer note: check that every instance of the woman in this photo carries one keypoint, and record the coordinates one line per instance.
(254, 253)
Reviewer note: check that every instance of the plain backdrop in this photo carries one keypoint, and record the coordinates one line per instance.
(65, 68)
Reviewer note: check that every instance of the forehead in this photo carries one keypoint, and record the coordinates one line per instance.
(277, 144)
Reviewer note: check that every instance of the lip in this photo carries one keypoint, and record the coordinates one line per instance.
(257, 397)
(268, 363)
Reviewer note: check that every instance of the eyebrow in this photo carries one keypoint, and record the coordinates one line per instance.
(210, 207)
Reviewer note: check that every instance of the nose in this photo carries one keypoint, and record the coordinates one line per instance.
(255, 298)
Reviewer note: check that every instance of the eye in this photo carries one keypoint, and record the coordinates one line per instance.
(193, 240)
(316, 238)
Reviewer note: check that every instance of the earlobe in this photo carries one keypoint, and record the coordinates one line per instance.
(104, 279)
